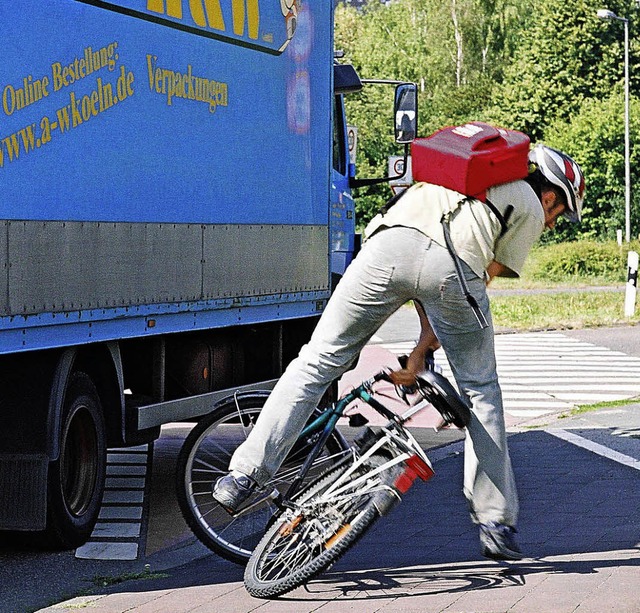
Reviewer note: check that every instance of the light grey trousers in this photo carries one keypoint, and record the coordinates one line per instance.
(395, 266)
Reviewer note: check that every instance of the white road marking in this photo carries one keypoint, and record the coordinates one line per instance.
(601, 450)
(544, 372)
(117, 533)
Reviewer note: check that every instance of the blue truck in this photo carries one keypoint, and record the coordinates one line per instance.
(176, 207)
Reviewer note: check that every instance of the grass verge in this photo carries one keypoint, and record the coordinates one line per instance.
(560, 310)
(588, 408)
(146, 574)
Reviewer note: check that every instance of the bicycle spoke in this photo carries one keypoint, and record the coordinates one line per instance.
(204, 495)
(245, 429)
(288, 475)
(206, 471)
(299, 557)
(205, 457)
(205, 452)
(289, 559)
(204, 482)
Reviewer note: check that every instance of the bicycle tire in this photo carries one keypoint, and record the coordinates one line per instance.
(205, 456)
(345, 522)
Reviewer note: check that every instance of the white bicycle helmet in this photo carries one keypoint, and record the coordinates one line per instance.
(563, 172)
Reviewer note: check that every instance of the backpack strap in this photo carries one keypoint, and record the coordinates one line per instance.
(473, 303)
(446, 218)
(384, 209)
(503, 219)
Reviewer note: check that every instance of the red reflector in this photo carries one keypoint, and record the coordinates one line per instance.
(420, 467)
(404, 482)
(414, 467)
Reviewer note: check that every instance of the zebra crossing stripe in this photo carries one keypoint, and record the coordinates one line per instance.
(586, 387)
(117, 533)
(530, 413)
(544, 372)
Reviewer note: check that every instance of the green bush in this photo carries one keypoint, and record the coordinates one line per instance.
(578, 260)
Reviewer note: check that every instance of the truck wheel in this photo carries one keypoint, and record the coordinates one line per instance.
(76, 478)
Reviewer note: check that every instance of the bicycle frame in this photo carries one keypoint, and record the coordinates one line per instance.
(417, 462)
(418, 465)
(318, 522)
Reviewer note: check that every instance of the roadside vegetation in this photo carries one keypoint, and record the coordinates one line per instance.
(549, 68)
(578, 284)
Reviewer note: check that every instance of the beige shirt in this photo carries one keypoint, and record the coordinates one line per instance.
(475, 230)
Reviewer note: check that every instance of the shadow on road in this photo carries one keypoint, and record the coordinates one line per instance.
(578, 517)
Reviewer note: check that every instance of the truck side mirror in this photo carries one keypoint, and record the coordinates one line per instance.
(406, 113)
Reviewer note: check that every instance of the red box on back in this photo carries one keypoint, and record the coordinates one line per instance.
(471, 158)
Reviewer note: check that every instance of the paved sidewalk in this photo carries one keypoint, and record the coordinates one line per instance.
(579, 527)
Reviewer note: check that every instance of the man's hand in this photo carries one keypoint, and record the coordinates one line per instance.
(495, 269)
(403, 377)
(428, 341)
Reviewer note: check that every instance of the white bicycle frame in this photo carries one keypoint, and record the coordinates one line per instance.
(339, 489)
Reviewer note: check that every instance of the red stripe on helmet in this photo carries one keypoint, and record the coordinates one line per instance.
(568, 171)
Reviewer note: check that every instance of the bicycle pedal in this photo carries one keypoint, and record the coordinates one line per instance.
(356, 420)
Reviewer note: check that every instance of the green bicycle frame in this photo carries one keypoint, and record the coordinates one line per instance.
(328, 420)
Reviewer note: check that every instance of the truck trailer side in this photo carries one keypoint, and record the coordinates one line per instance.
(175, 211)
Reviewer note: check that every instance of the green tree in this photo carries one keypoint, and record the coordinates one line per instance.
(548, 67)
(454, 50)
(567, 56)
(595, 138)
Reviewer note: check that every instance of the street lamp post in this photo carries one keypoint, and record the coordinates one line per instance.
(607, 14)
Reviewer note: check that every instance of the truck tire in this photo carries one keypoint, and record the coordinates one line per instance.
(76, 479)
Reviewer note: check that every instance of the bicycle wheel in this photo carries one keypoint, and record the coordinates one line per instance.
(320, 528)
(205, 456)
